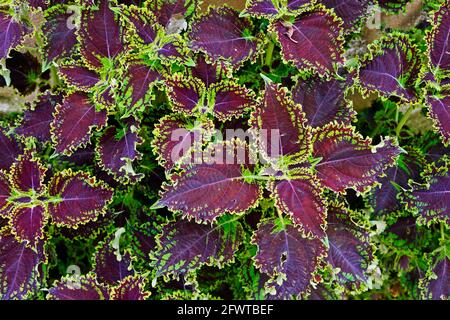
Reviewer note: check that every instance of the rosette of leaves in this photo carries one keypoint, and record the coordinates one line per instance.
(112, 278)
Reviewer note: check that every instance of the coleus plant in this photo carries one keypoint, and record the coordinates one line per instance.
(313, 198)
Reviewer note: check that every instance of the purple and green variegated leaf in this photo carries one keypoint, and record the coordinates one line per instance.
(222, 34)
(208, 73)
(207, 191)
(294, 5)
(100, 35)
(28, 222)
(172, 51)
(117, 150)
(323, 101)
(19, 275)
(261, 8)
(439, 111)
(385, 197)
(130, 288)
(79, 77)
(281, 125)
(185, 93)
(168, 12)
(436, 284)
(140, 78)
(288, 257)
(73, 122)
(144, 239)
(347, 160)
(36, 120)
(110, 268)
(60, 35)
(175, 138)
(312, 41)
(350, 11)
(11, 33)
(432, 200)
(78, 198)
(78, 288)
(27, 174)
(349, 248)
(439, 41)
(231, 100)
(5, 193)
(144, 24)
(405, 228)
(185, 245)
(301, 199)
(10, 149)
(438, 153)
(392, 69)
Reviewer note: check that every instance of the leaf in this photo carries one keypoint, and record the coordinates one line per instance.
(301, 199)
(60, 35)
(348, 160)
(438, 40)
(184, 246)
(107, 266)
(231, 100)
(19, 275)
(130, 288)
(140, 78)
(167, 11)
(285, 132)
(349, 246)
(37, 119)
(436, 284)
(5, 193)
(261, 8)
(73, 122)
(323, 101)
(100, 35)
(312, 41)
(284, 254)
(81, 288)
(144, 24)
(392, 69)
(439, 112)
(79, 77)
(220, 33)
(184, 93)
(10, 149)
(208, 73)
(116, 155)
(350, 11)
(432, 200)
(11, 33)
(80, 198)
(295, 5)
(28, 223)
(215, 186)
(174, 138)
(27, 174)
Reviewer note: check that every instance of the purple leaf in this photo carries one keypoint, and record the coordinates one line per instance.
(348, 160)
(184, 94)
(285, 132)
(312, 41)
(168, 10)
(393, 68)
(439, 40)
(208, 73)
(140, 78)
(100, 35)
(27, 223)
(61, 36)
(221, 35)
(130, 288)
(261, 8)
(436, 286)
(36, 121)
(184, 245)
(297, 4)
(440, 114)
(144, 24)
(283, 251)
(323, 101)
(80, 198)
(432, 200)
(10, 149)
(108, 268)
(73, 122)
(5, 193)
(117, 154)
(11, 33)
(231, 100)
(404, 228)
(83, 288)
(350, 11)
(27, 174)
(18, 268)
(301, 199)
(79, 77)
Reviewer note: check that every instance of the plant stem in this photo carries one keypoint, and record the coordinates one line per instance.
(269, 53)
(403, 120)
